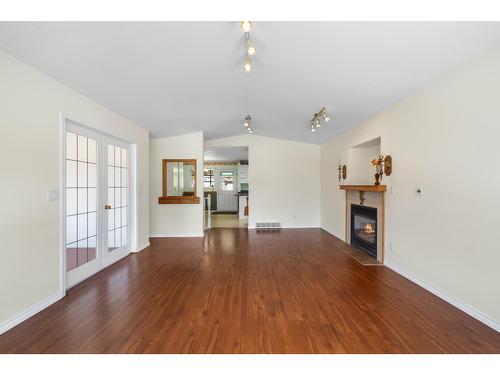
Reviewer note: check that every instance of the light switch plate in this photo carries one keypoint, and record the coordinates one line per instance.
(52, 195)
(418, 191)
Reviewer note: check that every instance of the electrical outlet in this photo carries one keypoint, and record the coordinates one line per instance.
(392, 247)
(391, 189)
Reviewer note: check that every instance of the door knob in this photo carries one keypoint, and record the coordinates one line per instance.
(107, 207)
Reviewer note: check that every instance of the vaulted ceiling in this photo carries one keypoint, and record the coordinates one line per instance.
(180, 77)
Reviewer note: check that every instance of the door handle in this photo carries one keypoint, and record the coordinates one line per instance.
(107, 207)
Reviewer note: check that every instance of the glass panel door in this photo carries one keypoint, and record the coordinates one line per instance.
(117, 206)
(96, 202)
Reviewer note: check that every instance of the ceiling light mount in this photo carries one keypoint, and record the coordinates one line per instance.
(250, 50)
(248, 124)
(318, 118)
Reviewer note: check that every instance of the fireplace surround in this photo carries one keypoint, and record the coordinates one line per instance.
(364, 228)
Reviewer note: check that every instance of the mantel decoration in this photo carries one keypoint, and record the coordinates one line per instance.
(383, 164)
(342, 169)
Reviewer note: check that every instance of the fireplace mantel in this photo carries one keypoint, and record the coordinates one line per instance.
(375, 188)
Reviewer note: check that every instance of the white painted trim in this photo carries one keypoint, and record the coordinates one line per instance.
(28, 313)
(142, 247)
(160, 235)
(338, 235)
(459, 305)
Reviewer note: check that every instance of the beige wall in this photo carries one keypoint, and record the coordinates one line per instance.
(283, 179)
(167, 220)
(443, 138)
(30, 138)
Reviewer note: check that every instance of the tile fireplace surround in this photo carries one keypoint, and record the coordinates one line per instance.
(373, 197)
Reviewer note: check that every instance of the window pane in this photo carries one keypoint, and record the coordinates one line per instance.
(124, 197)
(92, 224)
(70, 201)
(92, 199)
(124, 158)
(111, 219)
(111, 239)
(124, 216)
(92, 150)
(117, 177)
(81, 257)
(82, 174)
(111, 176)
(111, 197)
(124, 235)
(111, 155)
(118, 200)
(118, 238)
(82, 148)
(70, 173)
(82, 226)
(124, 178)
(118, 157)
(70, 229)
(118, 216)
(92, 175)
(70, 146)
(82, 200)
(92, 248)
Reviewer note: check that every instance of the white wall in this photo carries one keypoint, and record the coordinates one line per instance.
(167, 220)
(283, 180)
(30, 143)
(444, 138)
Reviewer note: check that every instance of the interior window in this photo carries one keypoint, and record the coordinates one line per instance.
(227, 180)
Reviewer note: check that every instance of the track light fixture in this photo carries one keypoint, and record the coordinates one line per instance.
(250, 50)
(247, 124)
(322, 115)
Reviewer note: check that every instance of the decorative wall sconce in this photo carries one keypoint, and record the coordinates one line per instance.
(342, 169)
(383, 164)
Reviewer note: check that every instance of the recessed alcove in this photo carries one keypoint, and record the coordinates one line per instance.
(360, 168)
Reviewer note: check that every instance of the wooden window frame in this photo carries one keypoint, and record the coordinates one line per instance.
(165, 199)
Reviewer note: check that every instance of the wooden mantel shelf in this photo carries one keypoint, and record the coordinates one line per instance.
(379, 188)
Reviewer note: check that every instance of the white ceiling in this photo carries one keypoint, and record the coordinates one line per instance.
(180, 77)
(225, 154)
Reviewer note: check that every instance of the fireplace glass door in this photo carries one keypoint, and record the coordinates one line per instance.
(364, 228)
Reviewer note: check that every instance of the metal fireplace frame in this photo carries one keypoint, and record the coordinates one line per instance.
(370, 213)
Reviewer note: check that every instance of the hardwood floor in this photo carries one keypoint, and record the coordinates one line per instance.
(239, 291)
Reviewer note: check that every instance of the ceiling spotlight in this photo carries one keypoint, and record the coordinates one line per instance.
(246, 26)
(318, 117)
(248, 63)
(249, 45)
(247, 121)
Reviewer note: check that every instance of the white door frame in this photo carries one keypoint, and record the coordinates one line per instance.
(132, 200)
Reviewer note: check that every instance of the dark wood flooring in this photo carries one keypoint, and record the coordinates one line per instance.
(239, 291)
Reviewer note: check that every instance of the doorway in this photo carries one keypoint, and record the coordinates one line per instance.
(96, 199)
(226, 187)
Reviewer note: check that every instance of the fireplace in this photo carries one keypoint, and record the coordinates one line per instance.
(364, 228)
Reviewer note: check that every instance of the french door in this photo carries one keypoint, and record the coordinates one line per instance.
(96, 198)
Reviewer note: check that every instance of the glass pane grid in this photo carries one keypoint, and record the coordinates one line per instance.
(117, 197)
(81, 196)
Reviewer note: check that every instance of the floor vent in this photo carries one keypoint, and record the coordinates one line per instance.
(268, 226)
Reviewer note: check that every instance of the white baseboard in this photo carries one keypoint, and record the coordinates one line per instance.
(141, 247)
(160, 235)
(338, 235)
(459, 305)
(28, 313)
